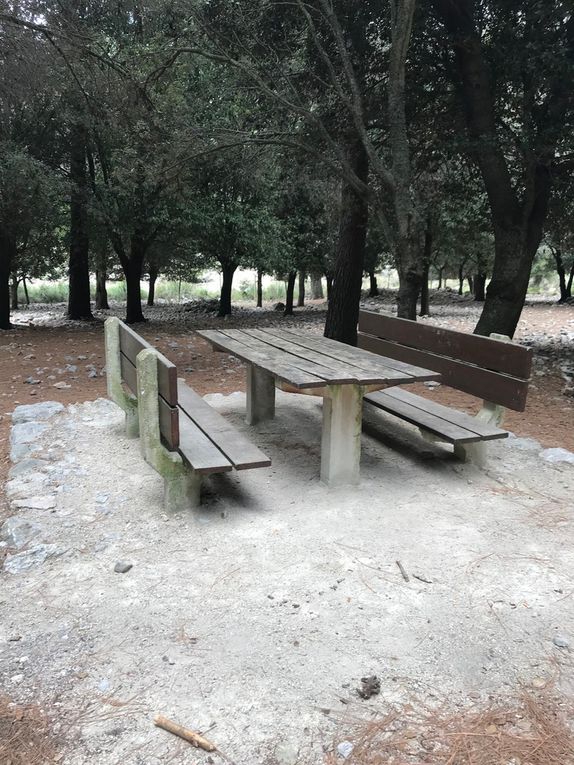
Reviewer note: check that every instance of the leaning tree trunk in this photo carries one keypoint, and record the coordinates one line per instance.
(301, 295)
(569, 283)
(101, 291)
(227, 270)
(259, 288)
(373, 287)
(316, 286)
(153, 274)
(289, 292)
(7, 258)
(79, 307)
(14, 292)
(561, 271)
(345, 295)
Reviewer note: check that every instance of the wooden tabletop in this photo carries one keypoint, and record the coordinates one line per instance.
(313, 361)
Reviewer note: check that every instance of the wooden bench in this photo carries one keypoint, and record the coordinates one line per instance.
(492, 368)
(182, 437)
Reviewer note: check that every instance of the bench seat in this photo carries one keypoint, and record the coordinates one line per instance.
(207, 442)
(444, 423)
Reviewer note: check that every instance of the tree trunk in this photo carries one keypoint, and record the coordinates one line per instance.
(329, 280)
(440, 272)
(301, 295)
(345, 297)
(26, 296)
(316, 286)
(14, 292)
(7, 258)
(410, 265)
(79, 307)
(227, 270)
(479, 287)
(101, 291)
(290, 289)
(425, 297)
(373, 287)
(460, 278)
(133, 269)
(259, 288)
(470, 281)
(569, 283)
(153, 274)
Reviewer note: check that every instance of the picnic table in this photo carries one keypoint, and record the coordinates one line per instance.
(318, 366)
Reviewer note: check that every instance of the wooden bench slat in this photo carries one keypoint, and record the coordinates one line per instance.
(168, 415)
(234, 445)
(502, 389)
(296, 377)
(496, 355)
(198, 450)
(454, 416)
(387, 368)
(131, 344)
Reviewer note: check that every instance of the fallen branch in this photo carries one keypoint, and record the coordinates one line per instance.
(187, 735)
(402, 570)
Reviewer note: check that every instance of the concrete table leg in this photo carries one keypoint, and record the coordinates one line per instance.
(260, 396)
(341, 438)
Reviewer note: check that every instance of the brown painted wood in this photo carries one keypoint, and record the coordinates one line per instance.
(198, 451)
(462, 419)
(496, 355)
(234, 445)
(390, 370)
(446, 429)
(500, 389)
(168, 415)
(131, 344)
(274, 364)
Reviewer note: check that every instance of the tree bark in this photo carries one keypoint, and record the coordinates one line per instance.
(7, 258)
(561, 271)
(153, 274)
(460, 278)
(569, 283)
(101, 291)
(301, 295)
(425, 296)
(373, 287)
(289, 292)
(316, 286)
(14, 292)
(440, 272)
(79, 307)
(329, 279)
(470, 281)
(345, 297)
(479, 287)
(259, 288)
(227, 270)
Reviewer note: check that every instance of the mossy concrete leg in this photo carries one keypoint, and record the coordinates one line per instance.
(182, 485)
(260, 395)
(115, 388)
(475, 453)
(341, 437)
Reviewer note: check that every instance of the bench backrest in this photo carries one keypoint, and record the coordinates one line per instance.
(130, 345)
(494, 370)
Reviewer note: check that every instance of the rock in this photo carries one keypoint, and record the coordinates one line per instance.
(61, 385)
(287, 753)
(36, 412)
(344, 749)
(26, 466)
(23, 437)
(71, 368)
(557, 455)
(561, 641)
(279, 307)
(92, 373)
(15, 564)
(47, 502)
(122, 567)
(32, 381)
(370, 686)
(17, 532)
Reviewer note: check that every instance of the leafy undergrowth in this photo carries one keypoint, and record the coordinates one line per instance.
(25, 737)
(531, 730)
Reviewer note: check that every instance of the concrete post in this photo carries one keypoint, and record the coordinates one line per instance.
(475, 453)
(341, 438)
(182, 485)
(115, 388)
(260, 395)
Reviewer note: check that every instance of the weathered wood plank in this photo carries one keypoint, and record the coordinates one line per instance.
(390, 369)
(462, 419)
(131, 344)
(496, 355)
(234, 445)
(274, 365)
(501, 389)
(197, 450)
(168, 415)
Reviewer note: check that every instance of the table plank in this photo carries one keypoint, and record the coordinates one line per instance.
(398, 372)
(275, 364)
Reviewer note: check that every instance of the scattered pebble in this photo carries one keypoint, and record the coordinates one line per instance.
(344, 749)
(561, 641)
(122, 567)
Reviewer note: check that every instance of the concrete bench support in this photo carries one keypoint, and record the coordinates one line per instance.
(116, 391)
(182, 484)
